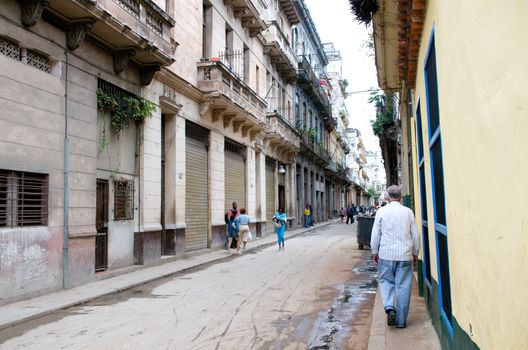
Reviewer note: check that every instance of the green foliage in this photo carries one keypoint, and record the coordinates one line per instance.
(371, 192)
(385, 111)
(312, 133)
(123, 109)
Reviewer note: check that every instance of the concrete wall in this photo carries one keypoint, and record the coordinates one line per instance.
(31, 258)
(481, 79)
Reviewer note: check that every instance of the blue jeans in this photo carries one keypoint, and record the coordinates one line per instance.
(395, 281)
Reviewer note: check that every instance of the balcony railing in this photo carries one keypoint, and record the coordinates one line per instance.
(278, 48)
(282, 132)
(133, 30)
(234, 61)
(316, 149)
(311, 85)
(229, 92)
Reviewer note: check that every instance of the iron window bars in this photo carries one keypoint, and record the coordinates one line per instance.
(23, 199)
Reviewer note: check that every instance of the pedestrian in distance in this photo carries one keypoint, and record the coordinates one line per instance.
(351, 211)
(311, 215)
(307, 215)
(279, 221)
(232, 228)
(342, 213)
(395, 245)
(242, 222)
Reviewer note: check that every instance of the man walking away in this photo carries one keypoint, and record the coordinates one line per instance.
(350, 213)
(395, 246)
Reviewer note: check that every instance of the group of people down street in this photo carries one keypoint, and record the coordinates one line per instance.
(238, 230)
(394, 244)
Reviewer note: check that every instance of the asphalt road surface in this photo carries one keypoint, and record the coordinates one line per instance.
(316, 294)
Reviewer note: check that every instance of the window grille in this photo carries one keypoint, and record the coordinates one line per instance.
(123, 200)
(9, 48)
(38, 60)
(23, 199)
(33, 58)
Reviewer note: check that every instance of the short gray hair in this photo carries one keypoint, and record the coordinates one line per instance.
(394, 192)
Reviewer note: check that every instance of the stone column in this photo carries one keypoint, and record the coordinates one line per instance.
(251, 188)
(301, 202)
(217, 189)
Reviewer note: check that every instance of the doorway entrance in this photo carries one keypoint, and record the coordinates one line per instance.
(101, 226)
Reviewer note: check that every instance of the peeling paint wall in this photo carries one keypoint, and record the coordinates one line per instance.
(30, 261)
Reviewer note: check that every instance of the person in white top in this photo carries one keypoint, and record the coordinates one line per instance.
(395, 245)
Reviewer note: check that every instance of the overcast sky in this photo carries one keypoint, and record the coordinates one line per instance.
(335, 24)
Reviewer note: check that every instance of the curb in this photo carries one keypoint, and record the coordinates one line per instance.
(37, 314)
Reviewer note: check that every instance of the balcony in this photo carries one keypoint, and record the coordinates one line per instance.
(281, 134)
(231, 99)
(249, 14)
(288, 6)
(311, 86)
(133, 30)
(278, 47)
(315, 150)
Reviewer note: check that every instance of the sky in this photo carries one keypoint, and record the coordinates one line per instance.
(335, 24)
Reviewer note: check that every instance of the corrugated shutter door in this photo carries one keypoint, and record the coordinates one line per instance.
(196, 201)
(270, 194)
(235, 180)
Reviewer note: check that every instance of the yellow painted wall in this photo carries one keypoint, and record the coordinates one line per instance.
(482, 61)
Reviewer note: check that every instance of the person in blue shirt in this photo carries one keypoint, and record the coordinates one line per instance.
(242, 222)
(279, 220)
(232, 227)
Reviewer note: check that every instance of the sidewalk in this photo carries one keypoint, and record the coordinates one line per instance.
(19, 312)
(419, 334)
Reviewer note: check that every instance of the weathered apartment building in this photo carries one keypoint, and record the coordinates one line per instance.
(128, 127)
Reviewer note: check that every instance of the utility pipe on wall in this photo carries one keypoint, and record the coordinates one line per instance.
(66, 212)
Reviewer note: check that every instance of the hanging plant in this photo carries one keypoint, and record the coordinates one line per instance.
(364, 10)
(123, 109)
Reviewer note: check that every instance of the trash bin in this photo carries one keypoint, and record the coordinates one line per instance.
(364, 229)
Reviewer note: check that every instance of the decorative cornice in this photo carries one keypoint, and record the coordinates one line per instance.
(122, 58)
(31, 10)
(76, 31)
(146, 74)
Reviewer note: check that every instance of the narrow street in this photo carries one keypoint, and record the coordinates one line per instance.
(317, 294)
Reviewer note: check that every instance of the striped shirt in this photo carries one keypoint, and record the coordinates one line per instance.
(394, 234)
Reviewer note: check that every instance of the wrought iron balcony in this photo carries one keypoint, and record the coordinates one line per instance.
(278, 48)
(249, 13)
(282, 134)
(311, 85)
(314, 149)
(231, 99)
(133, 30)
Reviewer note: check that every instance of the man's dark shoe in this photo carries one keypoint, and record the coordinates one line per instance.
(401, 325)
(391, 317)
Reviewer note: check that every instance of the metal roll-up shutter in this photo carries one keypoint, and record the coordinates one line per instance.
(197, 199)
(235, 176)
(270, 193)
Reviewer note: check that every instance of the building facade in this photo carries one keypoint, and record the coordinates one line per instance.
(457, 98)
(130, 127)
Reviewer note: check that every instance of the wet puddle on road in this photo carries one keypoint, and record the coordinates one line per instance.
(349, 314)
